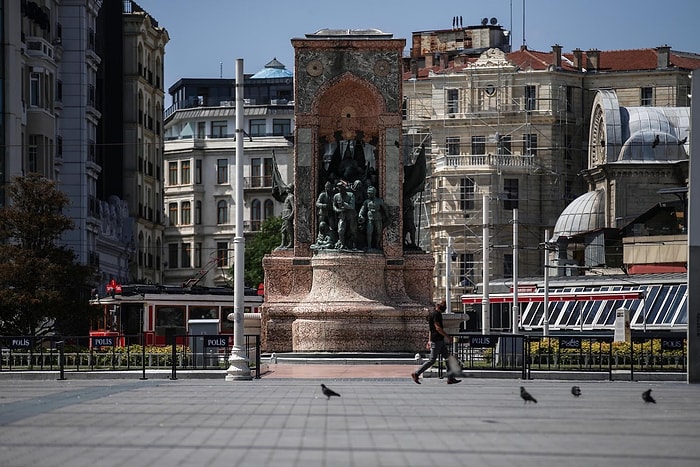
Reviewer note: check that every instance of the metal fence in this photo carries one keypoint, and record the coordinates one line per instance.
(521, 353)
(121, 353)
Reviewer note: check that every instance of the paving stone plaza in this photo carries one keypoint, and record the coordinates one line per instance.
(389, 421)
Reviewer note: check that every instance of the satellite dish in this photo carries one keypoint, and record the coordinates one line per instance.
(494, 21)
(484, 21)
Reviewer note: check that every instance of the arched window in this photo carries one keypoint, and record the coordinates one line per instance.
(269, 210)
(255, 215)
(221, 212)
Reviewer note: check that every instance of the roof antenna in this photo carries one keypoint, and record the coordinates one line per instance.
(221, 69)
(524, 43)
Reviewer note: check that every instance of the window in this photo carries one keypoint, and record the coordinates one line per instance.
(508, 265)
(569, 99)
(510, 187)
(185, 172)
(257, 127)
(198, 255)
(255, 214)
(221, 212)
(530, 144)
(269, 210)
(267, 171)
(33, 154)
(198, 171)
(185, 210)
(172, 173)
(172, 255)
(34, 90)
(197, 212)
(567, 146)
(466, 200)
(505, 147)
(172, 209)
(478, 145)
(530, 98)
(222, 253)
(281, 126)
(222, 171)
(186, 255)
(452, 144)
(219, 129)
(452, 101)
(201, 130)
(255, 172)
(647, 96)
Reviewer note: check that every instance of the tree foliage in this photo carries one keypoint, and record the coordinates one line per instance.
(42, 288)
(258, 246)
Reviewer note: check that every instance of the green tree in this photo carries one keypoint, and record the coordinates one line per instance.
(42, 288)
(258, 246)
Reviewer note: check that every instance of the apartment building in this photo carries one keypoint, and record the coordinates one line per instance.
(130, 143)
(200, 166)
(82, 104)
(512, 128)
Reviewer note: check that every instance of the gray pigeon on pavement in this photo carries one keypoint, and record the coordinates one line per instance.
(328, 392)
(576, 391)
(527, 397)
(646, 397)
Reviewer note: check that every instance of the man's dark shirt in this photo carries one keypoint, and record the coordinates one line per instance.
(435, 317)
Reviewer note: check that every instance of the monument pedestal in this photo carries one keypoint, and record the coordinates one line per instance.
(355, 303)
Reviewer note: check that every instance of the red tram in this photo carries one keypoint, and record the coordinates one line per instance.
(162, 312)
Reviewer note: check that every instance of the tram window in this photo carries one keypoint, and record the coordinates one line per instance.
(226, 325)
(170, 316)
(204, 312)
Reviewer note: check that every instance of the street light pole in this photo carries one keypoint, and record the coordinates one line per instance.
(238, 360)
(516, 310)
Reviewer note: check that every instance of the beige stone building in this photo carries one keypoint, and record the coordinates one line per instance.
(513, 128)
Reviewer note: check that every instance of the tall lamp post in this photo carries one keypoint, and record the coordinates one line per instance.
(238, 360)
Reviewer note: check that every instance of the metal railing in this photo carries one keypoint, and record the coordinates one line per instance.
(597, 353)
(121, 353)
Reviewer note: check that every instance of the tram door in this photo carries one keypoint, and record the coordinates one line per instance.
(203, 357)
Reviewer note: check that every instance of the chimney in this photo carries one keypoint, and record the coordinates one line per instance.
(593, 60)
(414, 68)
(556, 60)
(578, 57)
(663, 55)
(428, 60)
(444, 61)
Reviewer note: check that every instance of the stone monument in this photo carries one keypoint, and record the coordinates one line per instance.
(347, 296)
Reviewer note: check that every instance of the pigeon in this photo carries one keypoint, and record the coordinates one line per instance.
(683, 141)
(527, 397)
(646, 397)
(656, 141)
(576, 391)
(328, 392)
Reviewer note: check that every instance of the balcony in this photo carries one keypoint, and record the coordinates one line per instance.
(258, 182)
(39, 48)
(494, 161)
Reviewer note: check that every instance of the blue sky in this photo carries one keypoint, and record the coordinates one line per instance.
(207, 36)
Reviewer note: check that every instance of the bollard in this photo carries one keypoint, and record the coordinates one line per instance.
(173, 374)
(143, 357)
(61, 360)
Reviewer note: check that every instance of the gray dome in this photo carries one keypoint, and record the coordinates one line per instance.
(585, 214)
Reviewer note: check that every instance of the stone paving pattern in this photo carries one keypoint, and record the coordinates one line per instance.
(377, 421)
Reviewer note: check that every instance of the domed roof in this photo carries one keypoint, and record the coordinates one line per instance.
(273, 69)
(654, 133)
(585, 214)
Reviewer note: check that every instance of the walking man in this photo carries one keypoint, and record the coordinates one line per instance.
(438, 344)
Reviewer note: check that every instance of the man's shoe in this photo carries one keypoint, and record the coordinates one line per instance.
(415, 378)
(453, 380)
